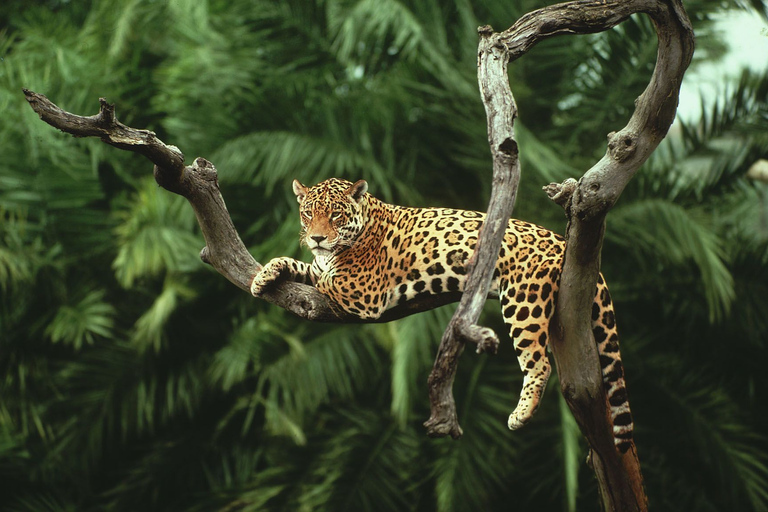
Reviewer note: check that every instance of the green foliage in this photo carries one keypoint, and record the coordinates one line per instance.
(134, 378)
(154, 236)
(676, 240)
(82, 322)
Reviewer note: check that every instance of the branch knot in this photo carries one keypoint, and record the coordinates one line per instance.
(622, 146)
(562, 193)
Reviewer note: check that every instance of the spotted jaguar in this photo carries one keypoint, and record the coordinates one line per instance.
(370, 256)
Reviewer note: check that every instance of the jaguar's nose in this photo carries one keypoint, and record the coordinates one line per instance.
(318, 238)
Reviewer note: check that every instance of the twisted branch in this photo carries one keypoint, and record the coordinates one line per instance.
(586, 203)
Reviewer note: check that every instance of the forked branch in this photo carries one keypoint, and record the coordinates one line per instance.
(586, 203)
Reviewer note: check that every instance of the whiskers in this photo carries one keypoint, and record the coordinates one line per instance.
(303, 237)
(341, 243)
(345, 243)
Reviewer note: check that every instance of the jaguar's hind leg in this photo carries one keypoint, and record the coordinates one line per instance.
(527, 309)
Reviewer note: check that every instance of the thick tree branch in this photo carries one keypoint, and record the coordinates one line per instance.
(586, 204)
(573, 347)
(198, 183)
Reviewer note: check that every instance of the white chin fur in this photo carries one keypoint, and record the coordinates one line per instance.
(322, 257)
(322, 262)
(318, 252)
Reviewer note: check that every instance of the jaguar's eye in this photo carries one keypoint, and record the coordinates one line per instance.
(335, 215)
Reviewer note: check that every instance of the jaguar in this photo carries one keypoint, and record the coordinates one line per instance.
(370, 256)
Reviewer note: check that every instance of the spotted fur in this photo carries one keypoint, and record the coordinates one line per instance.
(371, 256)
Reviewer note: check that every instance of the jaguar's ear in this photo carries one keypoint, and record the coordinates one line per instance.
(358, 190)
(300, 190)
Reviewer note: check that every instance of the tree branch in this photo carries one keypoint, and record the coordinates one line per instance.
(572, 342)
(198, 183)
(501, 112)
(586, 203)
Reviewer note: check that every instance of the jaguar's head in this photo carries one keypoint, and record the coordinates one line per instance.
(332, 214)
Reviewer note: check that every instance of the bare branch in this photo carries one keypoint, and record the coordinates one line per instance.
(501, 112)
(106, 126)
(586, 204)
(572, 343)
(198, 183)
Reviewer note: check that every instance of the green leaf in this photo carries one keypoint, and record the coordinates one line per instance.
(83, 322)
(149, 330)
(572, 454)
(155, 236)
(665, 233)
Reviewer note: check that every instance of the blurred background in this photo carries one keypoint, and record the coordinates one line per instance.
(133, 377)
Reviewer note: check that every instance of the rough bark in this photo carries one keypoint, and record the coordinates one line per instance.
(586, 204)
(573, 347)
(501, 111)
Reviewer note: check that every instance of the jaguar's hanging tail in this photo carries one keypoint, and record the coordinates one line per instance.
(607, 339)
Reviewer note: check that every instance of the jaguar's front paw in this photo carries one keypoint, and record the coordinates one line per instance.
(269, 274)
(256, 288)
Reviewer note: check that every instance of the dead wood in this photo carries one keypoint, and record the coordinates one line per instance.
(198, 183)
(586, 203)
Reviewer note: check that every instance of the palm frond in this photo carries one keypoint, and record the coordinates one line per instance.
(154, 236)
(294, 384)
(539, 157)
(83, 322)
(14, 456)
(375, 25)
(17, 253)
(252, 410)
(466, 474)
(39, 502)
(149, 329)
(728, 449)
(749, 259)
(273, 157)
(658, 232)
(240, 358)
(619, 60)
(121, 395)
(373, 29)
(716, 151)
(360, 466)
(412, 341)
(572, 453)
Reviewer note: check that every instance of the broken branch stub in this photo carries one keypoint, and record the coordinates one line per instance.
(619, 478)
(573, 346)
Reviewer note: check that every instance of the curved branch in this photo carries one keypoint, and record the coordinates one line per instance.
(572, 342)
(501, 111)
(198, 183)
(111, 131)
(586, 204)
